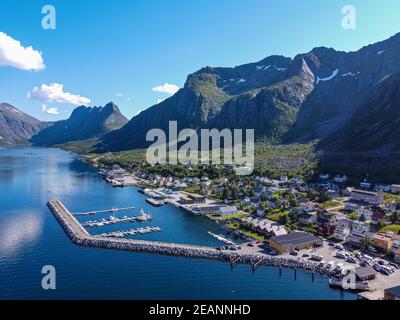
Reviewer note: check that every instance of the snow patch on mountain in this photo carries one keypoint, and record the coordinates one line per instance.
(333, 75)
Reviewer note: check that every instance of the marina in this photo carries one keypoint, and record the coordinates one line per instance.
(131, 232)
(114, 220)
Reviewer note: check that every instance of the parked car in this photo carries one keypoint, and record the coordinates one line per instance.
(339, 246)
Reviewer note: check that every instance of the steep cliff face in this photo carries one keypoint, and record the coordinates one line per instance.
(312, 96)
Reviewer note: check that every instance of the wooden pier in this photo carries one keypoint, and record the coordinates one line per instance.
(113, 210)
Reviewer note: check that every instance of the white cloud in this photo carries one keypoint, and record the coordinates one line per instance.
(13, 54)
(52, 111)
(167, 88)
(55, 93)
(123, 95)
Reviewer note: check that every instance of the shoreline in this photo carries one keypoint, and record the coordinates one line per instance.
(79, 236)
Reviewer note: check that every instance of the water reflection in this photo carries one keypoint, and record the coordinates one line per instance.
(18, 230)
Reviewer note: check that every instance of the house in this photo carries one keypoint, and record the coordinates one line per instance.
(324, 224)
(352, 206)
(340, 179)
(294, 241)
(358, 227)
(365, 273)
(309, 206)
(359, 232)
(365, 185)
(365, 212)
(383, 187)
(197, 198)
(324, 176)
(186, 200)
(343, 229)
(392, 293)
(307, 217)
(397, 256)
(395, 188)
(382, 241)
(271, 229)
(284, 179)
(370, 197)
(347, 192)
(227, 211)
(378, 215)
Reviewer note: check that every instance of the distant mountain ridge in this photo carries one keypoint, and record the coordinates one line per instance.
(310, 97)
(16, 127)
(84, 123)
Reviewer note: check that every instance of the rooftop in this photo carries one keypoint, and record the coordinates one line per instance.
(394, 291)
(363, 272)
(371, 193)
(295, 238)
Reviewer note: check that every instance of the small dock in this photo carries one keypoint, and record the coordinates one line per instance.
(113, 210)
(114, 220)
(131, 232)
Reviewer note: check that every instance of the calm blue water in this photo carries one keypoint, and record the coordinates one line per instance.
(30, 238)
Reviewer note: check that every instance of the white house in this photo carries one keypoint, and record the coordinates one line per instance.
(364, 211)
(343, 229)
(340, 179)
(395, 188)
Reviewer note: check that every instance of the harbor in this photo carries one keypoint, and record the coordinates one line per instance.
(246, 255)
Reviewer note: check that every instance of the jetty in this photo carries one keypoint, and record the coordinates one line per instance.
(154, 202)
(222, 239)
(113, 210)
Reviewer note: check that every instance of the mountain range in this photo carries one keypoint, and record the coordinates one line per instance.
(18, 128)
(84, 123)
(324, 95)
(349, 102)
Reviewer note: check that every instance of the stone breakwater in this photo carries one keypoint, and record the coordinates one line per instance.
(80, 236)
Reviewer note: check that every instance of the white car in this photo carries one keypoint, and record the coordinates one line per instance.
(339, 246)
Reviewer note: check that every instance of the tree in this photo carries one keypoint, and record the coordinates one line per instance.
(366, 242)
(380, 224)
(395, 217)
(362, 218)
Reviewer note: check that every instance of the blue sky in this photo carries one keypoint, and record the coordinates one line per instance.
(102, 48)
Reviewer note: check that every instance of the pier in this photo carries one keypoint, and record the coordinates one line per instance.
(132, 232)
(113, 210)
(154, 202)
(114, 220)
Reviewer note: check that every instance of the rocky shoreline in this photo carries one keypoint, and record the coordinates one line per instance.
(172, 249)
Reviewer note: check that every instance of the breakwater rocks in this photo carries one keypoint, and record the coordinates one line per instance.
(80, 236)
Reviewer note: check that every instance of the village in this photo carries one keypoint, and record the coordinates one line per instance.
(325, 220)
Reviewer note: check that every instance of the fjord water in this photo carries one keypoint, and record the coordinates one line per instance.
(30, 238)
